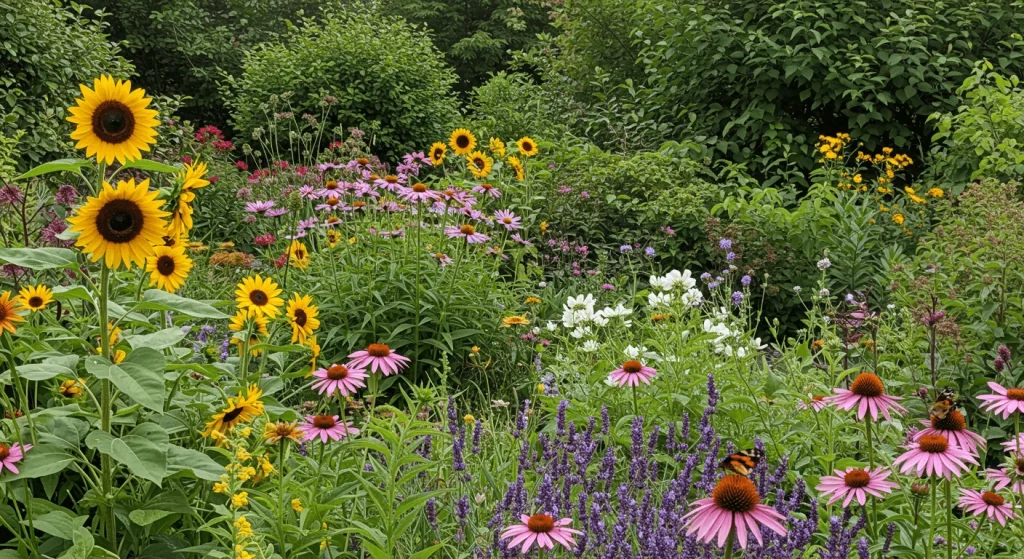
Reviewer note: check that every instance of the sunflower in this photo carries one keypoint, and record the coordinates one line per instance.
(462, 141)
(479, 164)
(497, 147)
(298, 255)
(112, 121)
(121, 224)
(190, 178)
(517, 166)
(333, 237)
(280, 431)
(242, 409)
(239, 323)
(259, 296)
(437, 151)
(168, 267)
(510, 321)
(8, 314)
(35, 298)
(302, 315)
(527, 147)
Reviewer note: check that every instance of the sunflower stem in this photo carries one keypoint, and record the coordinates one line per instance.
(107, 474)
(22, 396)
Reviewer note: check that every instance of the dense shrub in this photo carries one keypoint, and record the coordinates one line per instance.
(47, 50)
(386, 78)
(513, 106)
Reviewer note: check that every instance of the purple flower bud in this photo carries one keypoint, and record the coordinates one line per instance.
(745, 281)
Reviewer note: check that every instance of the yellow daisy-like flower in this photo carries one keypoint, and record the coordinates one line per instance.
(71, 388)
(35, 298)
(462, 141)
(936, 192)
(279, 431)
(437, 153)
(527, 147)
(246, 473)
(898, 219)
(497, 147)
(479, 164)
(315, 348)
(333, 238)
(243, 554)
(117, 356)
(168, 267)
(302, 315)
(468, 418)
(296, 505)
(240, 323)
(259, 296)
(510, 321)
(8, 314)
(298, 255)
(220, 487)
(531, 300)
(517, 166)
(242, 409)
(240, 499)
(112, 121)
(190, 178)
(121, 225)
(243, 527)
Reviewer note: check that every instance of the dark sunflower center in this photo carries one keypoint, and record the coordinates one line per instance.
(1015, 394)
(467, 229)
(3, 313)
(324, 421)
(527, 146)
(867, 384)
(462, 141)
(856, 479)
(113, 122)
(233, 414)
(337, 372)
(300, 317)
(35, 301)
(541, 523)
(378, 350)
(992, 499)
(954, 421)
(438, 153)
(5, 451)
(120, 221)
(935, 444)
(258, 297)
(632, 366)
(165, 265)
(736, 494)
(479, 163)
(419, 187)
(300, 254)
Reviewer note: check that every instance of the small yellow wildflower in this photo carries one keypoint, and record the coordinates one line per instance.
(244, 432)
(540, 388)
(240, 499)
(857, 178)
(898, 219)
(468, 418)
(242, 455)
(243, 527)
(475, 350)
(296, 505)
(936, 192)
(220, 487)
(246, 473)
(532, 300)
(543, 228)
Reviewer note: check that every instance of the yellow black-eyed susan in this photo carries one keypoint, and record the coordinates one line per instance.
(35, 297)
(242, 409)
(298, 255)
(462, 141)
(168, 267)
(121, 225)
(112, 121)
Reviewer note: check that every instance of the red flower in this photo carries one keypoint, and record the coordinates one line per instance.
(242, 165)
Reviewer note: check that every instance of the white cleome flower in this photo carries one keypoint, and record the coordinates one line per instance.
(659, 299)
(590, 346)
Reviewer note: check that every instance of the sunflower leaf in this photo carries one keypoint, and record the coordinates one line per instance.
(156, 299)
(45, 258)
(56, 166)
(152, 166)
(140, 376)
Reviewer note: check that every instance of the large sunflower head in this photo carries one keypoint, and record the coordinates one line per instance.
(243, 409)
(302, 314)
(479, 164)
(121, 225)
(527, 147)
(112, 121)
(168, 267)
(259, 296)
(462, 141)
(35, 298)
(298, 254)
(8, 313)
(517, 166)
(437, 151)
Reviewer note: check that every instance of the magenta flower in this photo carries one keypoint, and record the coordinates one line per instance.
(467, 232)
(1003, 477)
(378, 358)
(632, 373)
(867, 394)
(326, 427)
(443, 259)
(331, 204)
(508, 219)
(733, 507)
(487, 190)
(856, 483)
(339, 378)
(988, 504)
(954, 428)
(264, 240)
(418, 193)
(259, 207)
(816, 403)
(541, 529)
(276, 212)
(9, 455)
(1004, 402)
(519, 239)
(933, 455)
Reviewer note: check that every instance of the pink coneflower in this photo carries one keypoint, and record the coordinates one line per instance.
(632, 373)
(988, 504)
(954, 428)
(332, 221)
(390, 183)
(331, 204)
(467, 232)
(733, 507)
(443, 258)
(1007, 476)
(856, 483)
(264, 240)
(487, 190)
(519, 239)
(276, 212)
(378, 358)
(867, 394)
(259, 207)
(339, 378)
(9, 455)
(508, 219)
(326, 427)
(541, 529)
(933, 455)
(1004, 402)
(816, 403)
(418, 193)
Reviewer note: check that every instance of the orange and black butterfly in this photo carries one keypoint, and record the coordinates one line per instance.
(742, 462)
(944, 403)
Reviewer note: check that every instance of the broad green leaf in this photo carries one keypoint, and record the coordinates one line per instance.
(67, 293)
(45, 258)
(157, 340)
(58, 523)
(39, 371)
(144, 517)
(139, 376)
(58, 165)
(192, 463)
(152, 166)
(163, 301)
(143, 451)
(40, 461)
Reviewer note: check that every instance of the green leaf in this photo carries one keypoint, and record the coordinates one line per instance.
(144, 517)
(192, 463)
(40, 461)
(58, 523)
(163, 301)
(56, 166)
(67, 293)
(45, 258)
(152, 166)
(140, 376)
(157, 340)
(143, 451)
(39, 371)
(423, 554)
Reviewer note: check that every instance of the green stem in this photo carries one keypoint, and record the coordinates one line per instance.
(949, 519)
(871, 466)
(636, 408)
(728, 544)
(22, 396)
(280, 491)
(107, 475)
(931, 522)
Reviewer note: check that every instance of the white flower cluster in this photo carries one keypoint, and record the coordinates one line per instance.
(579, 311)
(668, 284)
(730, 341)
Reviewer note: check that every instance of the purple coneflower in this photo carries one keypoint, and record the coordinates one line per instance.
(378, 358)
(259, 207)
(467, 232)
(487, 189)
(508, 219)
(954, 428)
(856, 483)
(816, 403)
(1005, 401)
(867, 394)
(541, 529)
(326, 427)
(9, 455)
(933, 455)
(339, 378)
(418, 193)
(989, 504)
(734, 507)
(632, 373)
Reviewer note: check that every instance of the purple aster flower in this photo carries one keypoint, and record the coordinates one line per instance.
(725, 244)
(745, 281)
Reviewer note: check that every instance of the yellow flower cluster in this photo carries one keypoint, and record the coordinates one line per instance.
(831, 147)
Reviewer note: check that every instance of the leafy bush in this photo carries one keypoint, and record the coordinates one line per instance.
(385, 76)
(47, 50)
(513, 106)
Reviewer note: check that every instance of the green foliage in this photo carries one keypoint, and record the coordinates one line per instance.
(512, 106)
(46, 50)
(385, 76)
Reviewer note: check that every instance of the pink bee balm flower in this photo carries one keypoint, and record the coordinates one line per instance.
(508, 219)
(1004, 402)
(632, 373)
(816, 403)
(467, 232)
(733, 507)
(326, 427)
(541, 529)
(378, 357)
(339, 378)
(487, 189)
(867, 394)
(954, 428)
(418, 193)
(933, 455)
(990, 504)
(1005, 476)
(9, 455)
(855, 483)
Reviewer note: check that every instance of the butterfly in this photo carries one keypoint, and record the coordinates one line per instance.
(742, 462)
(944, 403)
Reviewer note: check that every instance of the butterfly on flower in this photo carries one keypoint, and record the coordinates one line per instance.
(742, 462)
(944, 403)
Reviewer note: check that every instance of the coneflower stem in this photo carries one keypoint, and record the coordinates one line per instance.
(949, 520)
(871, 466)
(931, 522)
(728, 544)
(636, 408)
